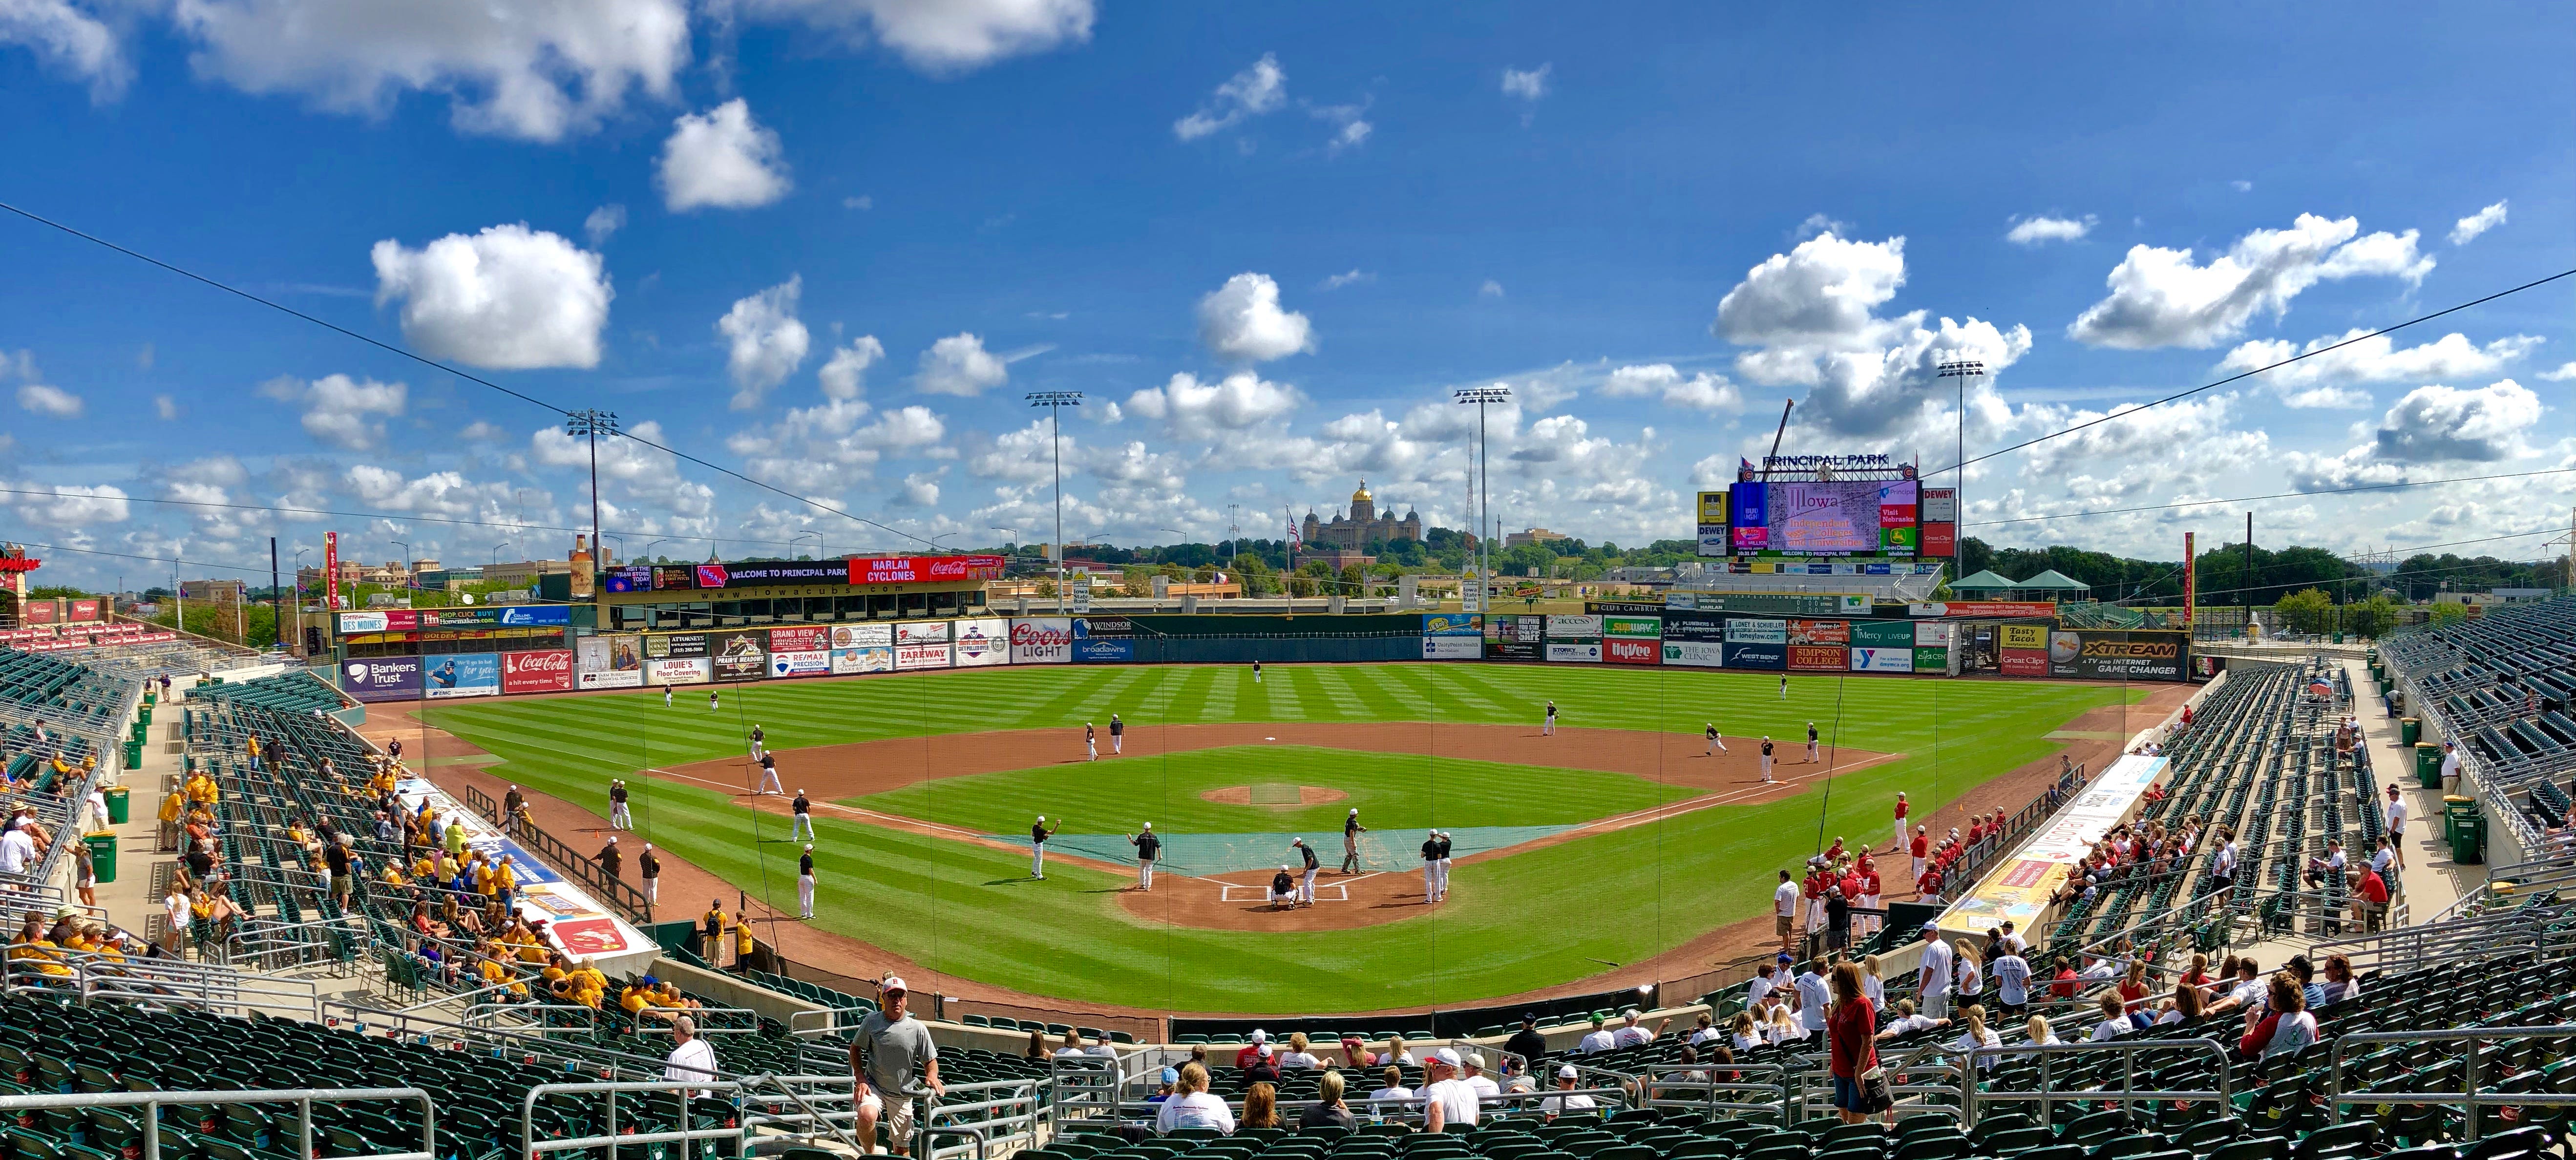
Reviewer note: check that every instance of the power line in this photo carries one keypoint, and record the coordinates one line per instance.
(440, 366)
(2256, 371)
(2275, 495)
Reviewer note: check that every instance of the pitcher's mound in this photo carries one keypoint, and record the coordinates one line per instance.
(1273, 794)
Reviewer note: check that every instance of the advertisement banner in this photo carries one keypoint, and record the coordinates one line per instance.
(1573, 628)
(983, 641)
(1644, 627)
(862, 636)
(1882, 660)
(2190, 579)
(1041, 640)
(545, 670)
(1756, 656)
(675, 644)
(1986, 609)
(1516, 638)
(1757, 632)
(632, 578)
(1931, 660)
(1817, 658)
(83, 609)
(1084, 626)
(331, 570)
(1940, 540)
(37, 611)
(1694, 626)
(800, 663)
(1696, 654)
(2022, 662)
(1098, 650)
(674, 578)
(920, 632)
(1882, 634)
(382, 679)
(609, 662)
(874, 658)
(1935, 632)
(677, 671)
(772, 574)
(2022, 636)
(1940, 505)
(809, 638)
(908, 657)
(1622, 650)
(922, 569)
(463, 675)
(362, 623)
(738, 655)
(1453, 648)
(1453, 624)
(2018, 890)
(1818, 632)
(1574, 652)
(2113, 655)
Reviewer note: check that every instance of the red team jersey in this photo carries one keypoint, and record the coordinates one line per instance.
(1922, 844)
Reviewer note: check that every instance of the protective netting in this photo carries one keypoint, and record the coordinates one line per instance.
(1202, 854)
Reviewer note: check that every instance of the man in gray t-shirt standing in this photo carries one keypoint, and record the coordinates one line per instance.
(892, 1061)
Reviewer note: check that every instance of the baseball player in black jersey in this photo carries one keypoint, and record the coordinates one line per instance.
(1148, 847)
(1766, 759)
(1351, 831)
(1306, 884)
(1038, 834)
(1444, 865)
(1812, 755)
(804, 813)
(1431, 867)
(805, 881)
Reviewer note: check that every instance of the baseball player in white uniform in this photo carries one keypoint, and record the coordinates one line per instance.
(1766, 759)
(1306, 882)
(1902, 807)
(1816, 903)
(1812, 755)
(1547, 728)
(1431, 867)
(1716, 740)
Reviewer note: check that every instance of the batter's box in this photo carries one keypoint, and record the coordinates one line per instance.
(1338, 891)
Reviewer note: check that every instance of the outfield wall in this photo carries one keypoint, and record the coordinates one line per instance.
(1633, 636)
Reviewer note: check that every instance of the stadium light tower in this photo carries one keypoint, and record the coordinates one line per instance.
(1481, 396)
(1055, 402)
(591, 424)
(1962, 370)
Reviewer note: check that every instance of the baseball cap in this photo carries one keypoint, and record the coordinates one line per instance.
(1258, 1035)
(1529, 1016)
(1446, 1055)
(892, 983)
(1171, 1075)
(1476, 1059)
(1355, 810)
(1296, 841)
(1264, 1051)
(1565, 1072)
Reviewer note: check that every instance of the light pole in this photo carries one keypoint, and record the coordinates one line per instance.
(1055, 402)
(818, 542)
(496, 553)
(1481, 396)
(621, 545)
(648, 548)
(1013, 542)
(1962, 370)
(591, 424)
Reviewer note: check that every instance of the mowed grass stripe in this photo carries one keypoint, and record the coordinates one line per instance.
(1529, 920)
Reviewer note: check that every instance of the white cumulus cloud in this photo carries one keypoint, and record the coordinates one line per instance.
(1698, 392)
(2468, 228)
(844, 375)
(723, 159)
(945, 36)
(509, 298)
(71, 506)
(2438, 423)
(70, 41)
(2163, 297)
(533, 69)
(340, 411)
(1195, 410)
(2042, 229)
(49, 401)
(765, 341)
(2323, 380)
(602, 222)
(959, 365)
(1260, 88)
(1527, 84)
(1241, 321)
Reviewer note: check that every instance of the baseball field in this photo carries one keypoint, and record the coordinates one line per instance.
(1615, 841)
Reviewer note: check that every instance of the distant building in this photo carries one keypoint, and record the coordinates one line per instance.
(2519, 595)
(522, 572)
(1532, 536)
(1361, 527)
(213, 591)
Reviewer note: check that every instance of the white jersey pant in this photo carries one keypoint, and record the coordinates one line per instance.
(618, 819)
(1091, 745)
(1871, 922)
(1444, 878)
(1117, 743)
(1900, 832)
(1431, 879)
(1145, 874)
(653, 889)
(803, 830)
(1812, 755)
(805, 894)
(769, 781)
(1547, 727)
(1717, 745)
(1816, 913)
(1306, 885)
(1037, 859)
(1766, 767)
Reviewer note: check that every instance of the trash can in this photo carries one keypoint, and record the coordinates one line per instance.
(2465, 827)
(2409, 730)
(2428, 763)
(133, 760)
(2338, 638)
(118, 807)
(149, 696)
(102, 856)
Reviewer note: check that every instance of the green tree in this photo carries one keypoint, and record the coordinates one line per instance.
(2372, 617)
(1138, 583)
(2449, 615)
(2307, 610)
(1354, 581)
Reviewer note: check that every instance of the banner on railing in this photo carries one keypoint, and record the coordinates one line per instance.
(575, 923)
(2018, 888)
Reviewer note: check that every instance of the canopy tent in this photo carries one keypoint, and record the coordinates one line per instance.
(1985, 581)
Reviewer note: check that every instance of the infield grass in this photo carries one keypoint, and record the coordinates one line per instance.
(1537, 918)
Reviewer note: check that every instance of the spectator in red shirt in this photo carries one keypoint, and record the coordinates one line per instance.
(1851, 1029)
(2133, 987)
(2373, 893)
(2065, 982)
(1252, 1050)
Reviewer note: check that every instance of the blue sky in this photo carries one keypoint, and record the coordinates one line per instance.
(831, 243)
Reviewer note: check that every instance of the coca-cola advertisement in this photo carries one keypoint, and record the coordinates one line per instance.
(537, 671)
(1041, 640)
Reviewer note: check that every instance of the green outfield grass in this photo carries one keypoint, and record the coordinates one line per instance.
(1390, 790)
(1531, 919)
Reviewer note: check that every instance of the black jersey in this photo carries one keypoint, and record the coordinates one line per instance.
(1309, 852)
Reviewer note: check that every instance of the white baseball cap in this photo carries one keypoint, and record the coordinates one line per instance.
(1265, 1051)
(1355, 810)
(1149, 825)
(1565, 1072)
(1295, 842)
(893, 983)
(1041, 817)
(1446, 1055)
(1260, 1036)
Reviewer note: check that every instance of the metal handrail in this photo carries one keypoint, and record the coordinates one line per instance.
(566, 860)
(1710, 1087)
(2468, 1096)
(680, 1090)
(2049, 1095)
(207, 986)
(303, 1099)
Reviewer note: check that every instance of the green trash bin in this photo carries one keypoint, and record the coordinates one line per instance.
(119, 807)
(102, 856)
(133, 758)
(2428, 763)
(2338, 638)
(2410, 730)
(143, 716)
